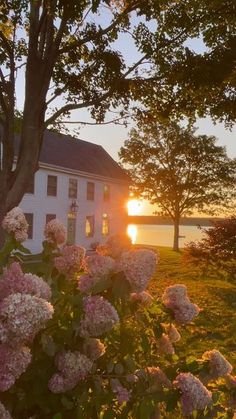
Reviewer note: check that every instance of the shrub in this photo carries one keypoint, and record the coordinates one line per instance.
(97, 345)
(217, 249)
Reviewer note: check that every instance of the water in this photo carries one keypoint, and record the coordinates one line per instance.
(162, 235)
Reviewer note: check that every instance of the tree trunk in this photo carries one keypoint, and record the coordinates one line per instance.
(176, 235)
(2, 214)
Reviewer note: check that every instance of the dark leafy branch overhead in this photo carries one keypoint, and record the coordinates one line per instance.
(68, 55)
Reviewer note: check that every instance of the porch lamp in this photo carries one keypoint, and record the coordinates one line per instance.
(74, 207)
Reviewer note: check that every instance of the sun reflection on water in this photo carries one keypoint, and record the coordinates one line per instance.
(132, 232)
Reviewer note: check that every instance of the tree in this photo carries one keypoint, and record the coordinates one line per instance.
(200, 80)
(217, 248)
(65, 53)
(179, 170)
(71, 62)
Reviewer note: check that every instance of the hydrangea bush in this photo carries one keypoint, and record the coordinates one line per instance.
(81, 337)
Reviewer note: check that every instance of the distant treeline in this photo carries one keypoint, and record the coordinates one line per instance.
(187, 221)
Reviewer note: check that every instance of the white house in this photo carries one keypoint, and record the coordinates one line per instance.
(80, 184)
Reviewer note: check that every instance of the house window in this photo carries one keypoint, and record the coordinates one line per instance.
(73, 185)
(89, 226)
(90, 191)
(50, 217)
(30, 187)
(105, 225)
(52, 185)
(30, 219)
(106, 192)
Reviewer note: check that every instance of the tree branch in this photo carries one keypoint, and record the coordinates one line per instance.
(113, 121)
(8, 47)
(101, 32)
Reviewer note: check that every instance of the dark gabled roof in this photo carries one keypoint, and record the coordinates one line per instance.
(71, 153)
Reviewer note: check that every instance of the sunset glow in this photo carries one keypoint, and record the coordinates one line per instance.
(134, 207)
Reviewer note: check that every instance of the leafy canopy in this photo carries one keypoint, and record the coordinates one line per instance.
(177, 169)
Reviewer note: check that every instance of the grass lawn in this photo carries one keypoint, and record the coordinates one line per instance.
(215, 326)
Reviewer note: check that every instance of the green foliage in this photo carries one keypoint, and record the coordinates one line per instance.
(217, 249)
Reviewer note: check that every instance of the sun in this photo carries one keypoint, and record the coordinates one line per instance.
(134, 207)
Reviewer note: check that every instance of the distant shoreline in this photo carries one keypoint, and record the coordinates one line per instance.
(158, 220)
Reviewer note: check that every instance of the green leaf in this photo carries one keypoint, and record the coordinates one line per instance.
(48, 345)
(145, 409)
(101, 285)
(121, 287)
(57, 416)
(119, 369)
(67, 403)
(110, 366)
(108, 414)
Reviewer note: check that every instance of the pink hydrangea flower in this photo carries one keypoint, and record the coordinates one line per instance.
(165, 345)
(195, 395)
(173, 333)
(138, 266)
(60, 384)
(85, 283)
(70, 261)
(4, 414)
(94, 348)
(142, 297)
(15, 223)
(22, 316)
(175, 297)
(122, 393)
(157, 378)
(15, 281)
(13, 362)
(55, 232)
(219, 366)
(186, 312)
(99, 316)
(73, 367)
(115, 245)
(98, 266)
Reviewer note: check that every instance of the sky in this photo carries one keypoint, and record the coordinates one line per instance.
(112, 137)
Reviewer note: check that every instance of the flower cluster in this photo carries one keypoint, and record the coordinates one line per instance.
(15, 281)
(99, 316)
(165, 345)
(122, 393)
(115, 246)
(4, 414)
(173, 333)
(156, 378)
(85, 283)
(195, 395)
(55, 232)
(73, 367)
(175, 297)
(13, 362)
(70, 261)
(98, 266)
(142, 297)
(138, 266)
(15, 223)
(22, 316)
(219, 366)
(94, 348)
